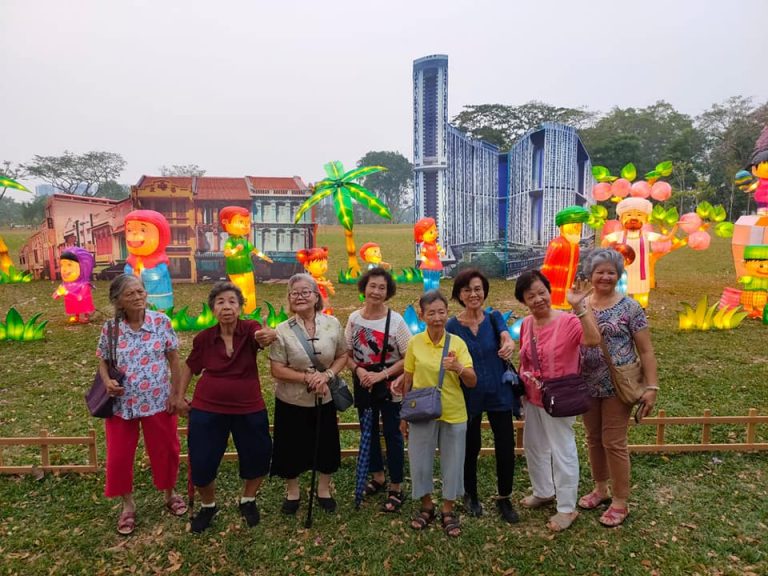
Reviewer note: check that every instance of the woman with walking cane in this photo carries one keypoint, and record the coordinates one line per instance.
(303, 404)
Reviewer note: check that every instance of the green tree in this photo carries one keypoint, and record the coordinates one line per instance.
(503, 125)
(113, 190)
(77, 173)
(394, 187)
(182, 170)
(341, 186)
(33, 212)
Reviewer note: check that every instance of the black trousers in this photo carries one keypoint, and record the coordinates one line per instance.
(504, 447)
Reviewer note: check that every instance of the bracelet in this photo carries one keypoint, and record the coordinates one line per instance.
(386, 373)
(330, 374)
(652, 388)
(582, 313)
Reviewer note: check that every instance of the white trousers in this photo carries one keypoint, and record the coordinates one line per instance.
(551, 456)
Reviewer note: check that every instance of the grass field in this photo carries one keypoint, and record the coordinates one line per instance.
(691, 514)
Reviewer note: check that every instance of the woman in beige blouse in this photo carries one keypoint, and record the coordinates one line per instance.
(298, 385)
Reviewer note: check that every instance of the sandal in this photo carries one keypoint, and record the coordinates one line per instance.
(614, 517)
(562, 521)
(424, 518)
(451, 524)
(374, 487)
(126, 523)
(593, 500)
(533, 501)
(394, 501)
(176, 505)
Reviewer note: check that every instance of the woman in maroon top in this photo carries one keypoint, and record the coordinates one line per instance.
(227, 399)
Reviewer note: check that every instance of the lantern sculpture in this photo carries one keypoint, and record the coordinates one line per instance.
(147, 234)
(76, 268)
(562, 257)
(370, 252)
(315, 262)
(425, 233)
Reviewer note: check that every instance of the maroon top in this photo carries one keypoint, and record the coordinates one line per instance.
(229, 385)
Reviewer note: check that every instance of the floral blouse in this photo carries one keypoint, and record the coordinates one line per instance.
(141, 357)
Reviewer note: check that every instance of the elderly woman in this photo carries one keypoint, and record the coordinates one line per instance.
(423, 363)
(146, 353)
(227, 400)
(303, 403)
(376, 363)
(550, 444)
(624, 329)
(490, 345)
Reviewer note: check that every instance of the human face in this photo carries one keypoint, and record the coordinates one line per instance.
(70, 270)
(302, 298)
(634, 219)
(538, 299)
(238, 225)
(376, 290)
(226, 307)
(472, 295)
(142, 238)
(133, 299)
(604, 278)
(435, 315)
(757, 267)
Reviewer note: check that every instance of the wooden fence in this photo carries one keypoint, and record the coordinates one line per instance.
(661, 422)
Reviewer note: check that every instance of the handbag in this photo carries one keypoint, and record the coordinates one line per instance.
(562, 396)
(628, 382)
(340, 394)
(100, 403)
(425, 404)
(379, 392)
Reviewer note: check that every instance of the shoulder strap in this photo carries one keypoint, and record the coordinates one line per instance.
(445, 353)
(112, 335)
(532, 340)
(305, 344)
(386, 339)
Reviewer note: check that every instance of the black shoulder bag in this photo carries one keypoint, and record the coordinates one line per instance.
(100, 403)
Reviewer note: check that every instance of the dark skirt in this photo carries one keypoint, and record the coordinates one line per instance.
(294, 440)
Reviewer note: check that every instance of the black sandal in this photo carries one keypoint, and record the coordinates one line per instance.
(394, 501)
(374, 487)
(424, 518)
(451, 524)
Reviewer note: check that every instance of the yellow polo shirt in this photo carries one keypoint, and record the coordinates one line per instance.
(423, 361)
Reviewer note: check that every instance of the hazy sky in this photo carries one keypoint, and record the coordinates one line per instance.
(279, 87)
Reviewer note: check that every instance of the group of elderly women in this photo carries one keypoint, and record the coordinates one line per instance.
(466, 355)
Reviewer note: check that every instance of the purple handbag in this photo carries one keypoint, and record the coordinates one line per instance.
(562, 396)
(425, 404)
(100, 403)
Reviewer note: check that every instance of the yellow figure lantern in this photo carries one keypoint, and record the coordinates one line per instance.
(754, 296)
(562, 257)
(370, 252)
(237, 253)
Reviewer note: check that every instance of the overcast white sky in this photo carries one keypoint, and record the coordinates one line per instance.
(279, 87)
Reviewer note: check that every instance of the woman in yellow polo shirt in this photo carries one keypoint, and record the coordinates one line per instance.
(422, 369)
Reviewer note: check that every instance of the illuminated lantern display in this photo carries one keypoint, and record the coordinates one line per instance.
(5, 259)
(237, 253)
(425, 233)
(634, 214)
(629, 256)
(754, 296)
(562, 257)
(315, 262)
(147, 234)
(76, 268)
(370, 252)
(758, 165)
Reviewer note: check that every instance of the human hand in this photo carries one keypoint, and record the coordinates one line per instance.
(316, 382)
(506, 350)
(404, 429)
(645, 405)
(365, 377)
(265, 336)
(113, 387)
(578, 293)
(396, 386)
(450, 362)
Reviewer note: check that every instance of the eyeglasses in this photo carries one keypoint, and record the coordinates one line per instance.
(469, 290)
(303, 293)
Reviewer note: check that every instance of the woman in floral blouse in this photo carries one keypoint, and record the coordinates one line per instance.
(147, 356)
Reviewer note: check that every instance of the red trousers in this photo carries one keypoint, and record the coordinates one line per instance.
(161, 441)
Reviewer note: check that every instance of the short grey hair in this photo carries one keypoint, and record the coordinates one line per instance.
(119, 284)
(224, 286)
(304, 277)
(431, 296)
(604, 256)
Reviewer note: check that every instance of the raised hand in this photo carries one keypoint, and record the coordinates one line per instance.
(578, 293)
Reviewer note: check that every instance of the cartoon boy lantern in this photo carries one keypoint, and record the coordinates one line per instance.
(147, 234)
(237, 252)
(315, 262)
(370, 252)
(754, 297)
(425, 233)
(562, 257)
(76, 268)
(758, 165)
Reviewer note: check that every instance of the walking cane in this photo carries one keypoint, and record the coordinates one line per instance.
(190, 485)
(318, 408)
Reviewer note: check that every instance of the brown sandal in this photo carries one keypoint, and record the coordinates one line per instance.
(394, 501)
(451, 524)
(424, 518)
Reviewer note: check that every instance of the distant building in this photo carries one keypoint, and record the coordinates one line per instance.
(44, 190)
(483, 199)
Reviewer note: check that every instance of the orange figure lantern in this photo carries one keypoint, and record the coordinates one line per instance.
(562, 257)
(425, 233)
(315, 262)
(370, 252)
(237, 253)
(147, 234)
